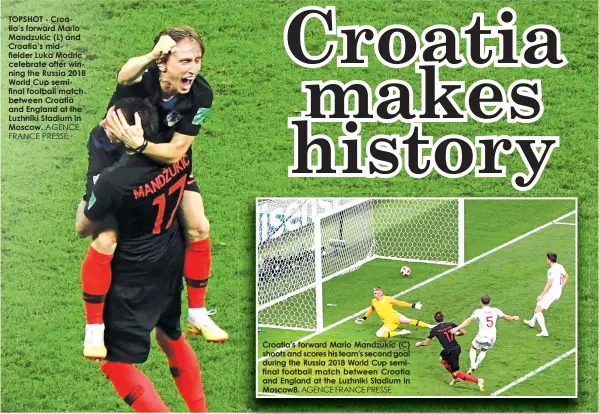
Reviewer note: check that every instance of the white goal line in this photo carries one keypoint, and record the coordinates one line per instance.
(425, 282)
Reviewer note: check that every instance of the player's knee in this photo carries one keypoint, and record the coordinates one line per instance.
(198, 229)
(105, 242)
(382, 333)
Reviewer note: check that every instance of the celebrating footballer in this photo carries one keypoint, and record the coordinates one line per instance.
(145, 290)
(169, 78)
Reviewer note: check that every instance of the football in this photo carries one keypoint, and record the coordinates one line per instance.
(405, 271)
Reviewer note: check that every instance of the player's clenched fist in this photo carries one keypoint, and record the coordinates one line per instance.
(163, 47)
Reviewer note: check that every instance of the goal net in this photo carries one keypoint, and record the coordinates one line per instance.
(302, 243)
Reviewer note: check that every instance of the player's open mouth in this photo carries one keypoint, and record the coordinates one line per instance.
(187, 82)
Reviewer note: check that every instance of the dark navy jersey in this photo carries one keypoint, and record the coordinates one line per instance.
(144, 197)
(183, 113)
(445, 337)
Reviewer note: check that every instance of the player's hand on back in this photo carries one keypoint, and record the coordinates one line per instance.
(163, 47)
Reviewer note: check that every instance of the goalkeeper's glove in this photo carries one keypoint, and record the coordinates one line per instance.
(361, 320)
(417, 305)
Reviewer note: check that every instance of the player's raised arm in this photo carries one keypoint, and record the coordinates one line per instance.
(369, 312)
(132, 70)
(401, 303)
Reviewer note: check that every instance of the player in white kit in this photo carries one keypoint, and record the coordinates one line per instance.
(556, 279)
(487, 330)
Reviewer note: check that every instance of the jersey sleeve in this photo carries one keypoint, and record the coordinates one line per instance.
(191, 123)
(103, 200)
(562, 270)
(136, 90)
(475, 314)
(432, 334)
(499, 312)
(399, 303)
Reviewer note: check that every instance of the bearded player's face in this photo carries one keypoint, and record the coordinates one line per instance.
(181, 67)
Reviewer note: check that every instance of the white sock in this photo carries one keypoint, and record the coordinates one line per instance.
(472, 357)
(541, 320)
(197, 312)
(480, 358)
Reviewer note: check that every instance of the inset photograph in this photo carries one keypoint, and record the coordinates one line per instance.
(416, 297)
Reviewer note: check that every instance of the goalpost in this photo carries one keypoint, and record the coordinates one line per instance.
(302, 243)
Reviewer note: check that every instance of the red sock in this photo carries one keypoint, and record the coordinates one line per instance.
(446, 365)
(134, 387)
(197, 271)
(95, 281)
(466, 377)
(186, 372)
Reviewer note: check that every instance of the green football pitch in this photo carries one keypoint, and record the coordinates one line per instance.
(506, 242)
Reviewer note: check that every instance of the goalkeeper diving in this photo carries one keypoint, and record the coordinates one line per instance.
(383, 305)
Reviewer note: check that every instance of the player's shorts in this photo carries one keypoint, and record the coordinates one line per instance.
(191, 184)
(393, 323)
(547, 301)
(483, 342)
(132, 312)
(452, 357)
(98, 158)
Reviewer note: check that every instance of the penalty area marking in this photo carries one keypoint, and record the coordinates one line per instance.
(532, 373)
(425, 282)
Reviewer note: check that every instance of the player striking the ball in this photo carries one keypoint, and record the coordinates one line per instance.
(450, 356)
(383, 305)
(556, 279)
(487, 330)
